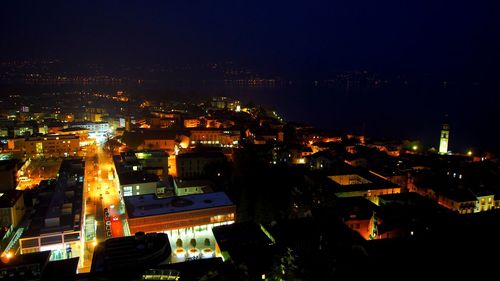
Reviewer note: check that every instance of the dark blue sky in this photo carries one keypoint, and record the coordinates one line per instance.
(457, 41)
(291, 37)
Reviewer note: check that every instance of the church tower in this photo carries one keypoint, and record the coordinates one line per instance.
(445, 136)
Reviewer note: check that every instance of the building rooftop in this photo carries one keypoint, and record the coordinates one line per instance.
(8, 199)
(59, 205)
(73, 129)
(355, 208)
(131, 253)
(51, 137)
(150, 205)
(459, 194)
(61, 270)
(182, 183)
(41, 258)
(153, 134)
(8, 164)
(136, 177)
(246, 243)
(200, 154)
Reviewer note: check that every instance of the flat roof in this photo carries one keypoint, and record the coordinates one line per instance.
(41, 258)
(182, 183)
(149, 205)
(9, 198)
(55, 199)
(459, 195)
(136, 177)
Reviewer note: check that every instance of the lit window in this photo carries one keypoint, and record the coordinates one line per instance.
(127, 191)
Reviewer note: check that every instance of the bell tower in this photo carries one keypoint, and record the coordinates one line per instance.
(445, 137)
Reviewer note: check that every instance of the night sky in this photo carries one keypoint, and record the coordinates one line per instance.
(316, 36)
(295, 39)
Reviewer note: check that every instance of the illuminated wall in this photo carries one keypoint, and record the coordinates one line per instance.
(445, 135)
(172, 221)
(51, 146)
(485, 203)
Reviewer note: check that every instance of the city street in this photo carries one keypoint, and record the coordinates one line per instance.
(101, 191)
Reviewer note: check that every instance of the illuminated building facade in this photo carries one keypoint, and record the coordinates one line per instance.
(445, 136)
(48, 146)
(139, 173)
(187, 187)
(23, 131)
(461, 201)
(359, 215)
(98, 131)
(159, 144)
(191, 122)
(188, 220)
(225, 103)
(215, 137)
(485, 202)
(139, 183)
(82, 133)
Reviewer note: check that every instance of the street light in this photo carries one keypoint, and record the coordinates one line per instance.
(6, 256)
(415, 148)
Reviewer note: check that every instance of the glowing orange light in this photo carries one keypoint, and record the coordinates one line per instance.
(6, 256)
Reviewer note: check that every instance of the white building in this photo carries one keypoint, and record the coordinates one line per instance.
(98, 131)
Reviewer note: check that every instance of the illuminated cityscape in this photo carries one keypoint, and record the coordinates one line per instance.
(318, 142)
